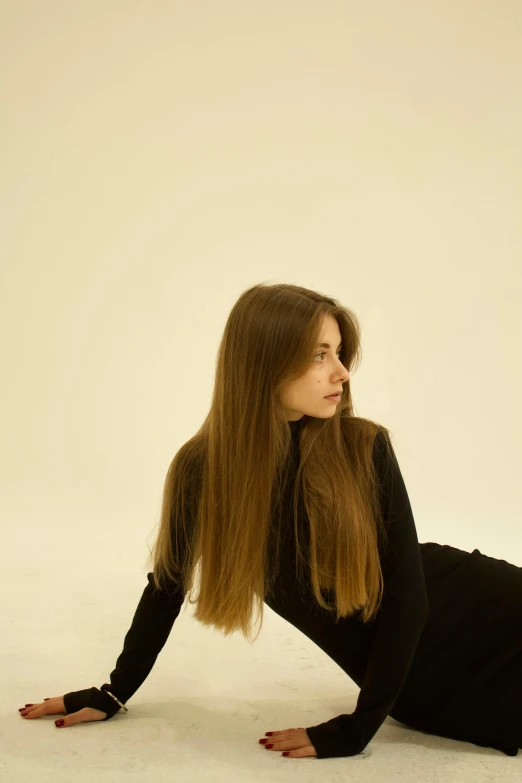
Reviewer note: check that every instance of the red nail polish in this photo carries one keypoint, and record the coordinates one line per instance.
(286, 753)
(268, 733)
(58, 723)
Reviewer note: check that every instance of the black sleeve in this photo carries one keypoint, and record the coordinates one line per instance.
(152, 622)
(150, 628)
(398, 625)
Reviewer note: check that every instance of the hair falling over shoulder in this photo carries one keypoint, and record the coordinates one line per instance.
(222, 485)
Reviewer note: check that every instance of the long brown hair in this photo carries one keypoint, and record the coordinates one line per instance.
(221, 486)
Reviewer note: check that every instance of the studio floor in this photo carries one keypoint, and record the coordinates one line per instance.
(203, 708)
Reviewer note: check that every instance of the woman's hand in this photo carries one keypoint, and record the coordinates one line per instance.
(294, 742)
(56, 705)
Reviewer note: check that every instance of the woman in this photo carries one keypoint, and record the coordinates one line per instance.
(284, 497)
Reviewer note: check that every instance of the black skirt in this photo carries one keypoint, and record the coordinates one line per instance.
(465, 682)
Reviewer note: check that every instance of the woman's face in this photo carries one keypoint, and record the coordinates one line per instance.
(307, 395)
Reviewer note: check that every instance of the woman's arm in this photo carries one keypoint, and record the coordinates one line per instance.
(150, 628)
(398, 625)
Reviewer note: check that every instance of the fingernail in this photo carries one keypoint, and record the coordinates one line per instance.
(268, 733)
(262, 742)
(58, 723)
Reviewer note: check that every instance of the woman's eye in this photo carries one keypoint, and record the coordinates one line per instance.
(324, 354)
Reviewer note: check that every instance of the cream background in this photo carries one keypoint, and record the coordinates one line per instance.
(157, 159)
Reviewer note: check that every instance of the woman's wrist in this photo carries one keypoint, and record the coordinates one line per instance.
(107, 688)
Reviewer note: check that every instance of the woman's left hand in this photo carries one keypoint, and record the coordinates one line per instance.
(294, 741)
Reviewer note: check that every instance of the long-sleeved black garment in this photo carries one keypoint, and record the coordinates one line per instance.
(423, 657)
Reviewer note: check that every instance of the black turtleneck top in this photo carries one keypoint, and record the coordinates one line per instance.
(377, 656)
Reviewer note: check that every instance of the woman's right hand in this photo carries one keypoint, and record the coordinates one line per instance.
(55, 706)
